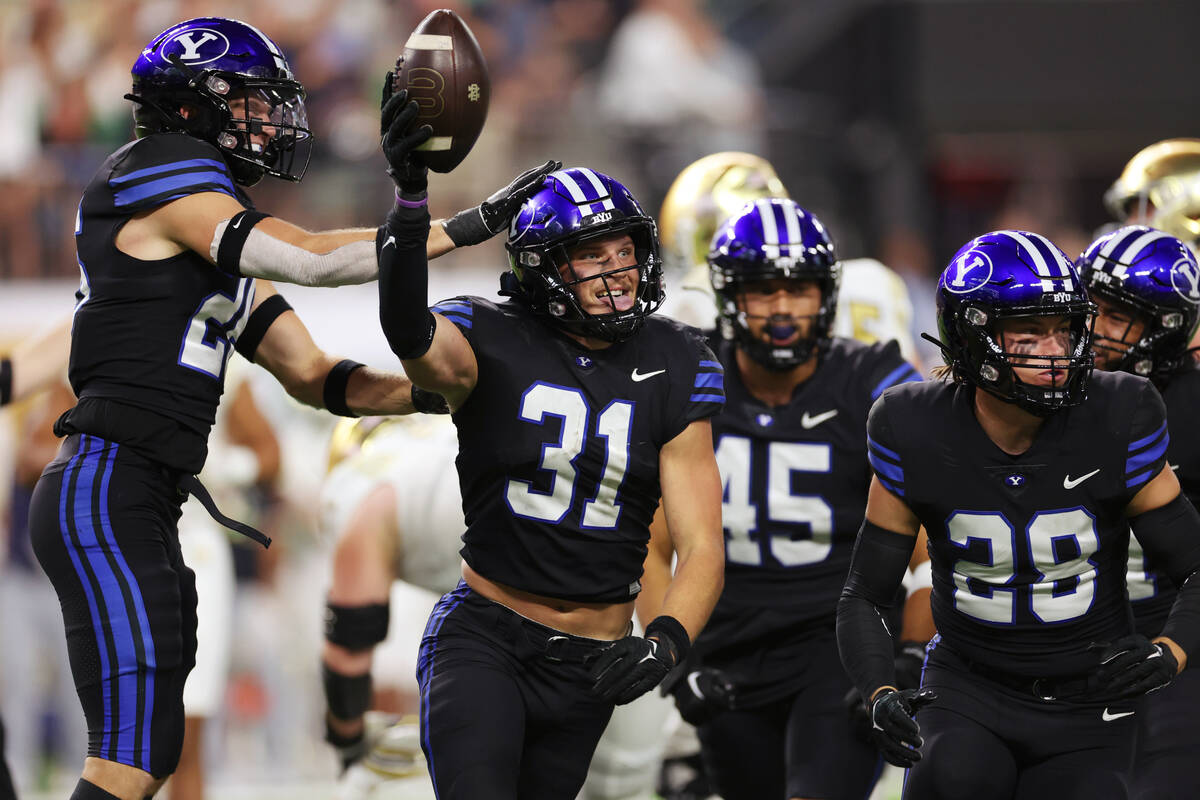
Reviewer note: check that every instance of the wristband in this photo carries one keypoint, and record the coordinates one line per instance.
(669, 628)
(5, 381)
(256, 327)
(334, 392)
(426, 402)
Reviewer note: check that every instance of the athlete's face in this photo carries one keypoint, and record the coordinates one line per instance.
(1117, 327)
(1031, 341)
(248, 110)
(780, 311)
(606, 269)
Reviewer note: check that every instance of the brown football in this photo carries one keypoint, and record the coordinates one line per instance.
(444, 71)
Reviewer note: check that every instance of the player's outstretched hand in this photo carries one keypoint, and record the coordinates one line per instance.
(400, 139)
(1133, 665)
(896, 733)
(702, 694)
(480, 223)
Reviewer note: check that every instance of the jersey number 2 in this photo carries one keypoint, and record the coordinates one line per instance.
(206, 345)
(614, 423)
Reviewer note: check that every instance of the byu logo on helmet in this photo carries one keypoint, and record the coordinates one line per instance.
(1185, 271)
(195, 46)
(969, 271)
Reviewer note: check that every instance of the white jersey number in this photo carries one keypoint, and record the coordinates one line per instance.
(1062, 589)
(207, 344)
(614, 424)
(740, 516)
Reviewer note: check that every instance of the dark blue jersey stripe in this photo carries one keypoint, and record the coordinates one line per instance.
(902, 374)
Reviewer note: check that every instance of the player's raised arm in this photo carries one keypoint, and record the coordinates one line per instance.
(276, 339)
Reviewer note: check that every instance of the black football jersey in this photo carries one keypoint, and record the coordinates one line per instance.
(1028, 552)
(795, 480)
(559, 446)
(1152, 592)
(150, 339)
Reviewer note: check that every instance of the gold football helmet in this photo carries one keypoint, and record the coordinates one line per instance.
(1160, 186)
(705, 194)
(349, 436)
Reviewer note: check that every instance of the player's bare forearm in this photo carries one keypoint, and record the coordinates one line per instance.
(439, 242)
(917, 625)
(656, 570)
(373, 391)
(691, 488)
(448, 367)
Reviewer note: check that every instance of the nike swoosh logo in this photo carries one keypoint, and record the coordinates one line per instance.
(1173, 467)
(390, 240)
(638, 377)
(1071, 483)
(807, 422)
(1109, 717)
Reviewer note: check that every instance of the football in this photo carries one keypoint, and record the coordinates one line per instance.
(443, 69)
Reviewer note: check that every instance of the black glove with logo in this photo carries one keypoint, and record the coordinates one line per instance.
(399, 140)
(478, 224)
(1133, 665)
(895, 732)
(910, 660)
(701, 694)
(630, 667)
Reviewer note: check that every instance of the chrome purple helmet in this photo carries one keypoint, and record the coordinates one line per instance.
(186, 77)
(1007, 274)
(1155, 275)
(573, 206)
(769, 239)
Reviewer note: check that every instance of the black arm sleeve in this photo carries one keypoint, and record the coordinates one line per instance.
(1170, 535)
(404, 282)
(5, 381)
(876, 570)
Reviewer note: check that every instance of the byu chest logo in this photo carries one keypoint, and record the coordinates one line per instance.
(1186, 280)
(970, 271)
(197, 46)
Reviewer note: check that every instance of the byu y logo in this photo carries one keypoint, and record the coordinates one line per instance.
(968, 272)
(1186, 280)
(197, 46)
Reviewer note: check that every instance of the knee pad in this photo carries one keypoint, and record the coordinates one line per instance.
(348, 696)
(356, 627)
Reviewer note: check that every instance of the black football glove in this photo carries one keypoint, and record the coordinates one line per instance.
(910, 660)
(1133, 665)
(630, 667)
(396, 117)
(701, 694)
(478, 224)
(895, 732)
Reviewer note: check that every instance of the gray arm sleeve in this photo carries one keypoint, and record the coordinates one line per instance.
(264, 256)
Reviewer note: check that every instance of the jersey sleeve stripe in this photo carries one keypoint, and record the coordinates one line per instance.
(1142, 460)
(707, 398)
(710, 380)
(874, 445)
(1139, 478)
(891, 487)
(205, 164)
(174, 186)
(712, 365)
(902, 374)
(886, 469)
(1140, 443)
(453, 307)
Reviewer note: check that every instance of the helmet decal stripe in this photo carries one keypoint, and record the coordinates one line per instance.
(791, 218)
(766, 214)
(1030, 248)
(601, 189)
(578, 194)
(1137, 242)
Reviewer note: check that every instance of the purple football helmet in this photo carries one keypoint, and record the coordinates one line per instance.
(573, 206)
(769, 239)
(1007, 274)
(186, 77)
(1154, 276)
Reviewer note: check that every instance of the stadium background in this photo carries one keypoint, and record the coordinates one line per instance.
(908, 127)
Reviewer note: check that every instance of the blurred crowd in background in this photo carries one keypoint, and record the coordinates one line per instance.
(908, 127)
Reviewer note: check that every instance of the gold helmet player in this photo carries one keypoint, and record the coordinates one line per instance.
(873, 302)
(1160, 187)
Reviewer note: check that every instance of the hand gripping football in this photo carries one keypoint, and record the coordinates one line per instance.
(443, 70)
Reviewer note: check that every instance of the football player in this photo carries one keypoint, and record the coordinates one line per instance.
(1145, 286)
(1027, 471)
(576, 410)
(33, 365)
(764, 683)
(873, 303)
(174, 262)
